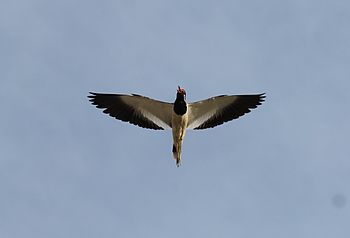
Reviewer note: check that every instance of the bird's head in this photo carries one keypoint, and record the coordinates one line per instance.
(181, 92)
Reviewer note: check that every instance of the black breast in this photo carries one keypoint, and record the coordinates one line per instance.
(180, 107)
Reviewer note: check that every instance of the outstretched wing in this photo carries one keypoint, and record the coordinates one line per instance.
(217, 110)
(135, 109)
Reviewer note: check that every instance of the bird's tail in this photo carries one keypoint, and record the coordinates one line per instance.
(177, 153)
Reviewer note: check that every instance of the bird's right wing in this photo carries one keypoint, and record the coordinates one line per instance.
(135, 109)
(217, 110)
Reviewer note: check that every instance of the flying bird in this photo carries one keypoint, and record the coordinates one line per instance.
(178, 116)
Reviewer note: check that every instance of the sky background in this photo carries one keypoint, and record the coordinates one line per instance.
(68, 170)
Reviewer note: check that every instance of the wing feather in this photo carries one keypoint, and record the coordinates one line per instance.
(135, 109)
(217, 110)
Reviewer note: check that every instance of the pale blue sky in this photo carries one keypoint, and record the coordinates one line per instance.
(67, 170)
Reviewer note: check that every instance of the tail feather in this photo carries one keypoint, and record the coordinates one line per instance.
(177, 154)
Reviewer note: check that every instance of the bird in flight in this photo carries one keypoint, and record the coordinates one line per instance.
(178, 116)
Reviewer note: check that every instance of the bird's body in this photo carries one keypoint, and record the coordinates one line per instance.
(179, 122)
(178, 116)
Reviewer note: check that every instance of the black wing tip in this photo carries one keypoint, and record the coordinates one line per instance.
(92, 98)
(92, 95)
(255, 99)
(261, 98)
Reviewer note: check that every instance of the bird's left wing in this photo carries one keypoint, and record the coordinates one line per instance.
(135, 109)
(217, 110)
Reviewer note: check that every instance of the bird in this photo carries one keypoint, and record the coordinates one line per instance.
(178, 116)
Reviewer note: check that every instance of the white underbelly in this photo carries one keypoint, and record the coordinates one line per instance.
(179, 125)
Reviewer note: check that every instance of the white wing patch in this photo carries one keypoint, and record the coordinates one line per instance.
(197, 119)
(155, 119)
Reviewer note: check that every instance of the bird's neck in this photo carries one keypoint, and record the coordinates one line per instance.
(180, 106)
